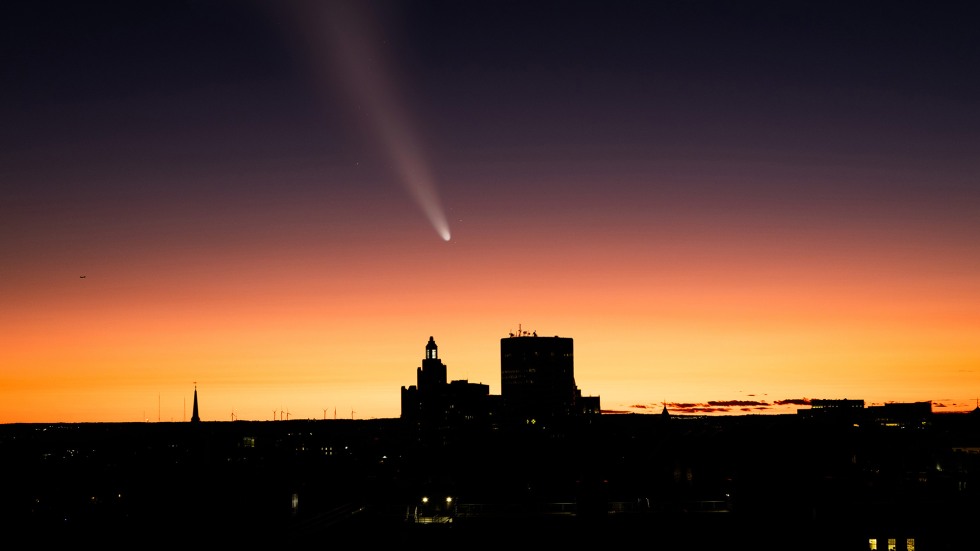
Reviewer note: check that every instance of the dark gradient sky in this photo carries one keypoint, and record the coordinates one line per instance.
(737, 203)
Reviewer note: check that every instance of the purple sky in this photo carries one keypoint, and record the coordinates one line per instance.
(642, 164)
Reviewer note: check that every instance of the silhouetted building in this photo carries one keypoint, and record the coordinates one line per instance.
(432, 374)
(896, 414)
(836, 405)
(435, 403)
(538, 382)
(537, 378)
(836, 410)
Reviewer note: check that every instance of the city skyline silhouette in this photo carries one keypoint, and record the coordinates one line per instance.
(440, 274)
(444, 379)
(841, 475)
(732, 209)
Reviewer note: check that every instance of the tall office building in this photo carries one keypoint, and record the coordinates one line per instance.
(537, 378)
(537, 384)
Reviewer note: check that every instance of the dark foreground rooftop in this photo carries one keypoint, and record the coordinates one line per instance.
(780, 482)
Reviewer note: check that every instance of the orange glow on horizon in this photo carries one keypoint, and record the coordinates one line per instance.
(252, 205)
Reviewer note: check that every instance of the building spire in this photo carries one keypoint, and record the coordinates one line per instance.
(431, 350)
(195, 418)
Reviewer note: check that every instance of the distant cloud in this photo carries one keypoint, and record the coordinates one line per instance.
(682, 407)
(793, 402)
(721, 406)
(736, 403)
(747, 406)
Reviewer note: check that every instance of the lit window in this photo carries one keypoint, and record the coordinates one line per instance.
(872, 544)
(892, 546)
(910, 544)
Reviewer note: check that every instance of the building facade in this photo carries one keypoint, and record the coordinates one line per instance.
(433, 401)
(537, 378)
(537, 384)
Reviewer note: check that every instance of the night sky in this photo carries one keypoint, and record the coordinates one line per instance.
(732, 207)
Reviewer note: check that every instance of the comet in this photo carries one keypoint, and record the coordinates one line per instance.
(344, 39)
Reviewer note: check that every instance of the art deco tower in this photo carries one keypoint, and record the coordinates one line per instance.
(432, 374)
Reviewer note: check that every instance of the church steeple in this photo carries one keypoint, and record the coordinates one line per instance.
(195, 418)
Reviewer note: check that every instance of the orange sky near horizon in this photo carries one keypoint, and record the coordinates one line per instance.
(745, 206)
(696, 324)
